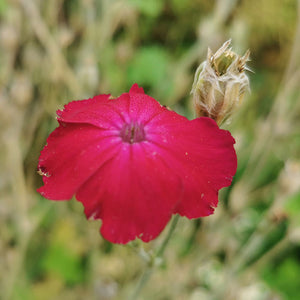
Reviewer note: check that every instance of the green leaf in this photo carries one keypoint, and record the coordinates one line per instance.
(3, 7)
(284, 277)
(151, 8)
(62, 262)
(149, 66)
(292, 207)
(292, 204)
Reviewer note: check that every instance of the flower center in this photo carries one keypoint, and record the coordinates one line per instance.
(132, 133)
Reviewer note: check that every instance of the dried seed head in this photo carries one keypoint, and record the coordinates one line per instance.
(220, 83)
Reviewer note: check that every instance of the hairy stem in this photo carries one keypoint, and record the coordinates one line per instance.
(151, 265)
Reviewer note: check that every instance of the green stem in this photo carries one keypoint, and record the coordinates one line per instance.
(164, 244)
(144, 279)
(150, 267)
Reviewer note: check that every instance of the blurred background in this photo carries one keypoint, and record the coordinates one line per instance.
(52, 52)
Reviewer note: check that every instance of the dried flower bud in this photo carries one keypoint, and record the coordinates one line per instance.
(220, 83)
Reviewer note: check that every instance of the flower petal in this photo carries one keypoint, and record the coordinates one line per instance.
(202, 154)
(72, 154)
(98, 111)
(134, 194)
(135, 89)
(137, 106)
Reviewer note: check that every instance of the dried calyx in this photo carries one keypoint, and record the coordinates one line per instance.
(220, 83)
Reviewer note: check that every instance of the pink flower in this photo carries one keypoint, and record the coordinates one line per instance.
(133, 163)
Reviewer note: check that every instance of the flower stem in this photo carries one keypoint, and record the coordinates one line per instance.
(165, 242)
(159, 253)
(144, 279)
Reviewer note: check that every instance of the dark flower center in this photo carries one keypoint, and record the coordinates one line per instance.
(132, 133)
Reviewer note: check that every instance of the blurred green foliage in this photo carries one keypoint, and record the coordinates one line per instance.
(52, 52)
(284, 277)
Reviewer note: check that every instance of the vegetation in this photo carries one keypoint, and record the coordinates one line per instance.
(55, 51)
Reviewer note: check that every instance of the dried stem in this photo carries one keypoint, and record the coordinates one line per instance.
(43, 33)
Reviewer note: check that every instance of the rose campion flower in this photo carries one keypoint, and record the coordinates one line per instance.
(133, 163)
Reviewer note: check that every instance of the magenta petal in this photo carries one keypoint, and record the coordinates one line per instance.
(72, 154)
(134, 194)
(136, 89)
(204, 157)
(98, 111)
